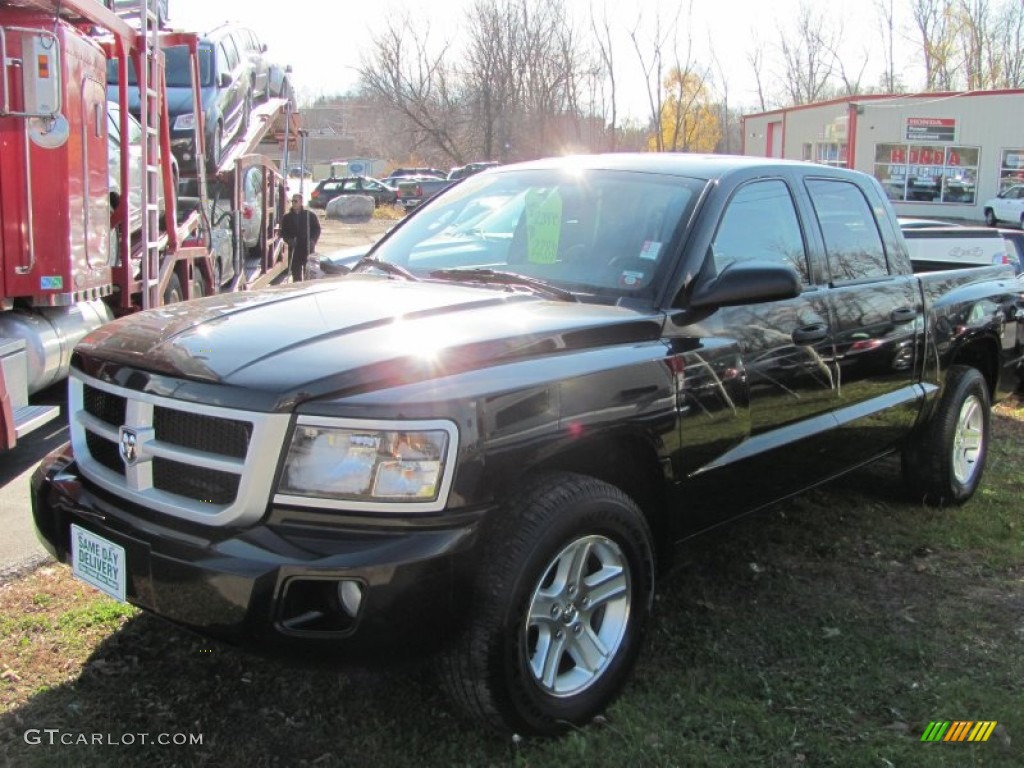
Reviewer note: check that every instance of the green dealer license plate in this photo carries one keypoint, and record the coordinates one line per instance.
(97, 561)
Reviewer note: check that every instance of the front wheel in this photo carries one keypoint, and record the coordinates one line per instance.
(944, 463)
(216, 148)
(560, 608)
(990, 217)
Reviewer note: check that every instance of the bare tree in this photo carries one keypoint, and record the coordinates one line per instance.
(661, 56)
(494, 81)
(606, 52)
(809, 56)
(755, 57)
(976, 44)
(1009, 45)
(936, 24)
(416, 83)
(887, 25)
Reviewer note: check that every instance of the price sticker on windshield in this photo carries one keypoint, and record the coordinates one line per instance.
(543, 225)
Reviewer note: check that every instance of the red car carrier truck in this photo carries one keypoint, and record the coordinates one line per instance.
(72, 257)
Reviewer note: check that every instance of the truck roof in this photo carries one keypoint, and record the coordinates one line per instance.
(694, 166)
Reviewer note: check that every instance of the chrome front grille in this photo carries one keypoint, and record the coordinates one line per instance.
(197, 462)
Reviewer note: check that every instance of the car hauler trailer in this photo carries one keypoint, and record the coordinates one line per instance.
(69, 259)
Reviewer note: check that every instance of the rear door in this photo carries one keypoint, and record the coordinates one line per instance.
(876, 314)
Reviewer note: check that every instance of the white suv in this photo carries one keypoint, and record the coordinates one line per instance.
(1007, 206)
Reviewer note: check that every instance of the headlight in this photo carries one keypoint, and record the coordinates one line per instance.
(186, 122)
(388, 466)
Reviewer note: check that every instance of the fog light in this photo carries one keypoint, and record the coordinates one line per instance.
(351, 595)
(186, 156)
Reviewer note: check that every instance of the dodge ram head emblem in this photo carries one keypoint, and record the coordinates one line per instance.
(129, 446)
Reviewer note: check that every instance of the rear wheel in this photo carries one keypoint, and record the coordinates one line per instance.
(563, 596)
(173, 293)
(198, 282)
(246, 111)
(990, 217)
(944, 463)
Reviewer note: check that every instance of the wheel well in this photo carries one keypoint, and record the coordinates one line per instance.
(982, 354)
(629, 463)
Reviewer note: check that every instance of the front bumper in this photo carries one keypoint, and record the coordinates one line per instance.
(271, 586)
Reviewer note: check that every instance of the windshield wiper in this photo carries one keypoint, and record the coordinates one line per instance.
(497, 277)
(383, 266)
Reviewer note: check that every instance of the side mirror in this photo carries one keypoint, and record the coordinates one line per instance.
(288, 68)
(225, 79)
(747, 282)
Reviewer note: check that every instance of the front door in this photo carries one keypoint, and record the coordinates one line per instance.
(768, 367)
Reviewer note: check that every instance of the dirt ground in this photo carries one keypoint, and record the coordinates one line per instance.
(336, 234)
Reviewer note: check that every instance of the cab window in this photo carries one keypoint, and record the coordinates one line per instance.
(848, 226)
(760, 223)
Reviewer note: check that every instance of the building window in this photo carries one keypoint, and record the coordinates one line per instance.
(830, 153)
(1011, 168)
(923, 174)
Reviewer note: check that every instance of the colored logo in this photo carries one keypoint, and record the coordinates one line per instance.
(958, 730)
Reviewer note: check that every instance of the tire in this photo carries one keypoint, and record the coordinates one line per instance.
(944, 463)
(514, 666)
(173, 293)
(217, 146)
(198, 282)
(243, 123)
(990, 217)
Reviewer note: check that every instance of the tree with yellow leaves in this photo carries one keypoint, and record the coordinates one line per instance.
(689, 121)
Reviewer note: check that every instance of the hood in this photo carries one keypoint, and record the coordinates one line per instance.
(179, 101)
(352, 334)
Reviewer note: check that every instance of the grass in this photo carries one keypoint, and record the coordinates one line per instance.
(828, 631)
(389, 212)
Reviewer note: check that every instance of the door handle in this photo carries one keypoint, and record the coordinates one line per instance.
(903, 314)
(810, 334)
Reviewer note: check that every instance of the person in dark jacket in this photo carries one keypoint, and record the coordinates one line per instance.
(300, 229)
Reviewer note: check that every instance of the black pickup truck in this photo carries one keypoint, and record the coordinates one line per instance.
(485, 437)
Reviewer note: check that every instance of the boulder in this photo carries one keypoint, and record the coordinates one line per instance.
(350, 207)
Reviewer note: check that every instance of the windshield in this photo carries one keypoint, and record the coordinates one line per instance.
(600, 233)
(179, 75)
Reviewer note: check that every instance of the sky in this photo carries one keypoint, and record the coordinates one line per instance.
(323, 40)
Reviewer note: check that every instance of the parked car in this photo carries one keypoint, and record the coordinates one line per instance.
(251, 213)
(330, 188)
(134, 141)
(1007, 206)
(252, 47)
(406, 172)
(225, 81)
(416, 190)
(281, 82)
(469, 169)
